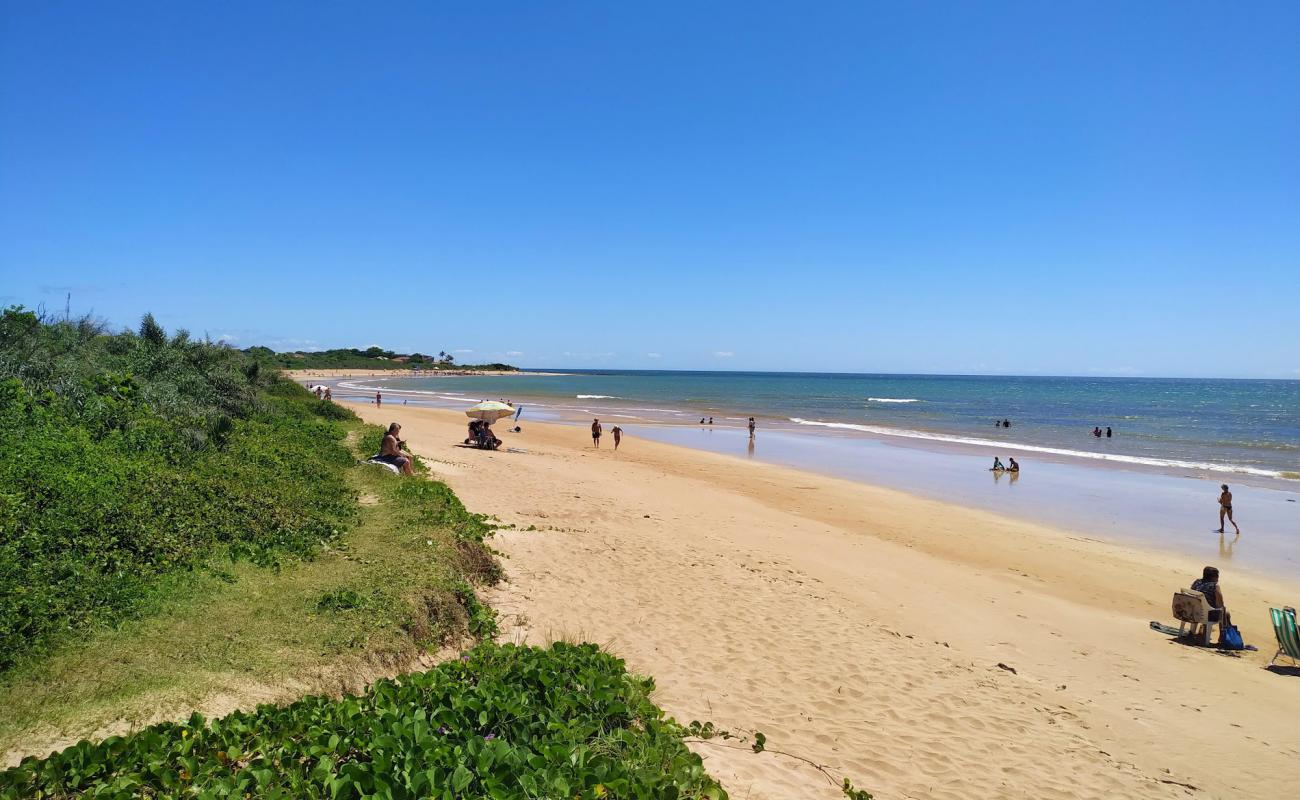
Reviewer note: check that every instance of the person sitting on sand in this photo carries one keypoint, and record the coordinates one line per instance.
(997, 464)
(1208, 585)
(1012, 466)
(1225, 509)
(390, 452)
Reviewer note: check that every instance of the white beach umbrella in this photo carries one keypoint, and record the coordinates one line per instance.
(490, 411)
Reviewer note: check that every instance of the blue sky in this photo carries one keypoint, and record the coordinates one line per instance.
(1087, 188)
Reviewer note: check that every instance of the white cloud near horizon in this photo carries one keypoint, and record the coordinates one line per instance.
(657, 355)
(295, 345)
(723, 353)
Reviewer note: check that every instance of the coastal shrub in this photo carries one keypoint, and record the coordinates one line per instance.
(434, 503)
(501, 722)
(372, 358)
(127, 457)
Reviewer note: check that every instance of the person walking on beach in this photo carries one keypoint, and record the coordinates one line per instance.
(328, 394)
(751, 427)
(595, 433)
(1225, 509)
(618, 435)
(319, 392)
(379, 398)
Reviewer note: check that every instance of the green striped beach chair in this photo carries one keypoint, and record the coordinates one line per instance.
(1288, 638)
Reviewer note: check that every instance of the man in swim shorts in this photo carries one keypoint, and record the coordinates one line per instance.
(595, 433)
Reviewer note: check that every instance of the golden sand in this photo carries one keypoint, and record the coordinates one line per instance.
(872, 631)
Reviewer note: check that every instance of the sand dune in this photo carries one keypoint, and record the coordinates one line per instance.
(864, 629)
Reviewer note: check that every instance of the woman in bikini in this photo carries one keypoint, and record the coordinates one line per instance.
(1225, 509)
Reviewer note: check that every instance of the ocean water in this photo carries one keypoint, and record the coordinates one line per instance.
(1250, 428)
(1154, 484)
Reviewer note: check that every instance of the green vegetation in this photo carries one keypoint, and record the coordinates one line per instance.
(501, 722)
(130, 457)
(373, 358)
(397, 583)
(181, 527)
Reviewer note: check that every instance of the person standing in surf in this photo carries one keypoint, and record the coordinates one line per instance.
(751, 427)
(1225, 509)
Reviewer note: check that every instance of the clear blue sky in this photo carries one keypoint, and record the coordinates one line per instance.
(1083, 188)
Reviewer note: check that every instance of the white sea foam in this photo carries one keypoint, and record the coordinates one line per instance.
(663, 410)
(893, 400)
(1032, 448)
(598, 397)
(455, 397)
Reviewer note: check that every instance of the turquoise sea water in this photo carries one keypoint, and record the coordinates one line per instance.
(1247, 427)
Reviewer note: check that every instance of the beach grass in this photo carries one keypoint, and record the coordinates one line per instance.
(399, 583)
(502, 721)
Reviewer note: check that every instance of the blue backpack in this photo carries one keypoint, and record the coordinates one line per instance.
(1230, 639)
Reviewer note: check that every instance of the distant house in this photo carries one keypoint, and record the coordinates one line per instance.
(400, 359)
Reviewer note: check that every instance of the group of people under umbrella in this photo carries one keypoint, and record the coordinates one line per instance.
(481, 418)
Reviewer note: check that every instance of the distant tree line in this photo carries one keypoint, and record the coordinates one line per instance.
(370, 358)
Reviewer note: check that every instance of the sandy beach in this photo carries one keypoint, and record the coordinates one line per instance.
(923, 649)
